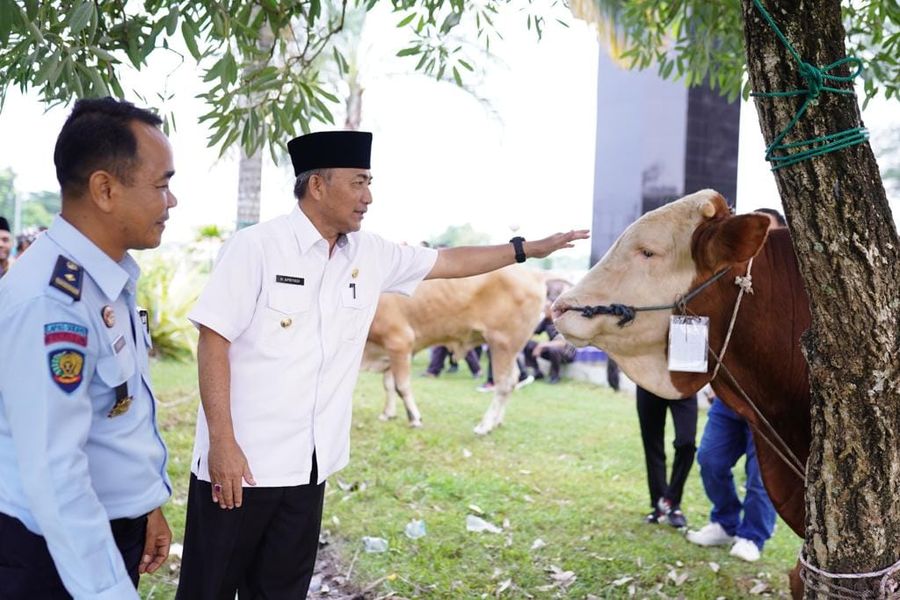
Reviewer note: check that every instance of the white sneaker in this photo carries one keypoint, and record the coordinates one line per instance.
(745, 550)
(711, 534)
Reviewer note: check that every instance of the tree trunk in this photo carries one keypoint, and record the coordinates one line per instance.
(250, 166)
(354, 104)
(249, 188)
(849, 255)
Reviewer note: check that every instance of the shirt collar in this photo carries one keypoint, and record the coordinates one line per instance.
(111, 277)
(306, 233)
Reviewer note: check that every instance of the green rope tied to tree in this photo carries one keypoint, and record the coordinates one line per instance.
(816, 80)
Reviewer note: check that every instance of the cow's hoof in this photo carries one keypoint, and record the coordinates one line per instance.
(416, 424)
(481, 429)
(385, 418)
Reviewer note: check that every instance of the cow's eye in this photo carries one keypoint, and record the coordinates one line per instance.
(647, 253)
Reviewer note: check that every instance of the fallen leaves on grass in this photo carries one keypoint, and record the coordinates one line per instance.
(562, 578)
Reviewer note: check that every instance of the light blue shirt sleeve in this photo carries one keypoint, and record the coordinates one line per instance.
(48, 411)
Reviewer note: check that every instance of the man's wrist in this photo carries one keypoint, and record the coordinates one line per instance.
(518, 243)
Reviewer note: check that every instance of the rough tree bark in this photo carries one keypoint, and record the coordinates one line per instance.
(849, 255)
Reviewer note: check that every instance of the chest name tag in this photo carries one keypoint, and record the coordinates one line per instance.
(118, 344)
(289, 280)
(688, 338)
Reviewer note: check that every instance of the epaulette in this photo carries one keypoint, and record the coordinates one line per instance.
(67, 277)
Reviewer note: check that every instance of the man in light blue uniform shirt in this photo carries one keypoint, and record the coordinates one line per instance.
(82, 463)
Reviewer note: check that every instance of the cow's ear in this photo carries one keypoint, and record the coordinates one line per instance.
(735, 239)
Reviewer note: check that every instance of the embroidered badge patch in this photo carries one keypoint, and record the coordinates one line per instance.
(65, 368)
(55, 333)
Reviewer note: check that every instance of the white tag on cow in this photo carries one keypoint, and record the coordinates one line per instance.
(687, 343)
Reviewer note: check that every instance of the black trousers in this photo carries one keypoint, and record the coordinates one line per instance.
(555, 357)
(27, 571)
(439, 355)
(264, 550)
(652, 416)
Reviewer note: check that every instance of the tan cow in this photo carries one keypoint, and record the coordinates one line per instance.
(500, 308)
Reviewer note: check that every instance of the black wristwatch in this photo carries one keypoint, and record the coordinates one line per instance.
(518, 244)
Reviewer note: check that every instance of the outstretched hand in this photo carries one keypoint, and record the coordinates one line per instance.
(549, 245)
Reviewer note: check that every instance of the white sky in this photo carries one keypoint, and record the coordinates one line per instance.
(439, 157)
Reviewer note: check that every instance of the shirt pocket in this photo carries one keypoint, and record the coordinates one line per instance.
(355, 313)
(288, 298)
(111, 372)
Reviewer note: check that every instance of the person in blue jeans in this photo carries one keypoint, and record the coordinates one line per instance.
(747, 524)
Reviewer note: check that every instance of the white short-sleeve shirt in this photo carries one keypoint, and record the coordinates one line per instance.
(297, 321)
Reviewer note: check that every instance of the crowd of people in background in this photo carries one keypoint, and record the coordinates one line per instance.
(13, 247)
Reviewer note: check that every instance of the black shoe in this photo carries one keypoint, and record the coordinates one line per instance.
(676, 519)
(654, 517)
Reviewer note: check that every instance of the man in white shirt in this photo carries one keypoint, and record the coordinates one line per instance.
(283, 322)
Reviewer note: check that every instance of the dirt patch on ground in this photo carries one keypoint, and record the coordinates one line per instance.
(330, 580)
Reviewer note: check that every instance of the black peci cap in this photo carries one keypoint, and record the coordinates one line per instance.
(4, 224)
(331, 149)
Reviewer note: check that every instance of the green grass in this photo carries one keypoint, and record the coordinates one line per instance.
(567, 467)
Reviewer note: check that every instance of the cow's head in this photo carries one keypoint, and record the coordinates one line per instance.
(660, 258)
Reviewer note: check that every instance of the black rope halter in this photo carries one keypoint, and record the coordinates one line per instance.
(626, 313)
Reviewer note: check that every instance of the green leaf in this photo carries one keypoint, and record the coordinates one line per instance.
(172, 21)
(49, 65)
(190, 39)
(406, 21)
(323, 109)
(81, 16)
(116, 87)
(215, 71)
(229, 140)
(98, 86)
(231, 70)
(103, 54)
(8, 14)
(31, 9)
(38, 36)
(451, 21)
(457, 77)
(325, 94)
(409, 51)
(338, 61)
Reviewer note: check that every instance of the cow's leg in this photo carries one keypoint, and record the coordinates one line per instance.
(506, 374)
(390, 397)
(401, 366)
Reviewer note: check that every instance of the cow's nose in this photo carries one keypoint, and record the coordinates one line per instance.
(559, 308)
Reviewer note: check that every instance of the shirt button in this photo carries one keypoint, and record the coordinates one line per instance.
(286, 323)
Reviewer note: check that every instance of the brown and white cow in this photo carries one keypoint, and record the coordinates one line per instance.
(500, 308)
(662, 257)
